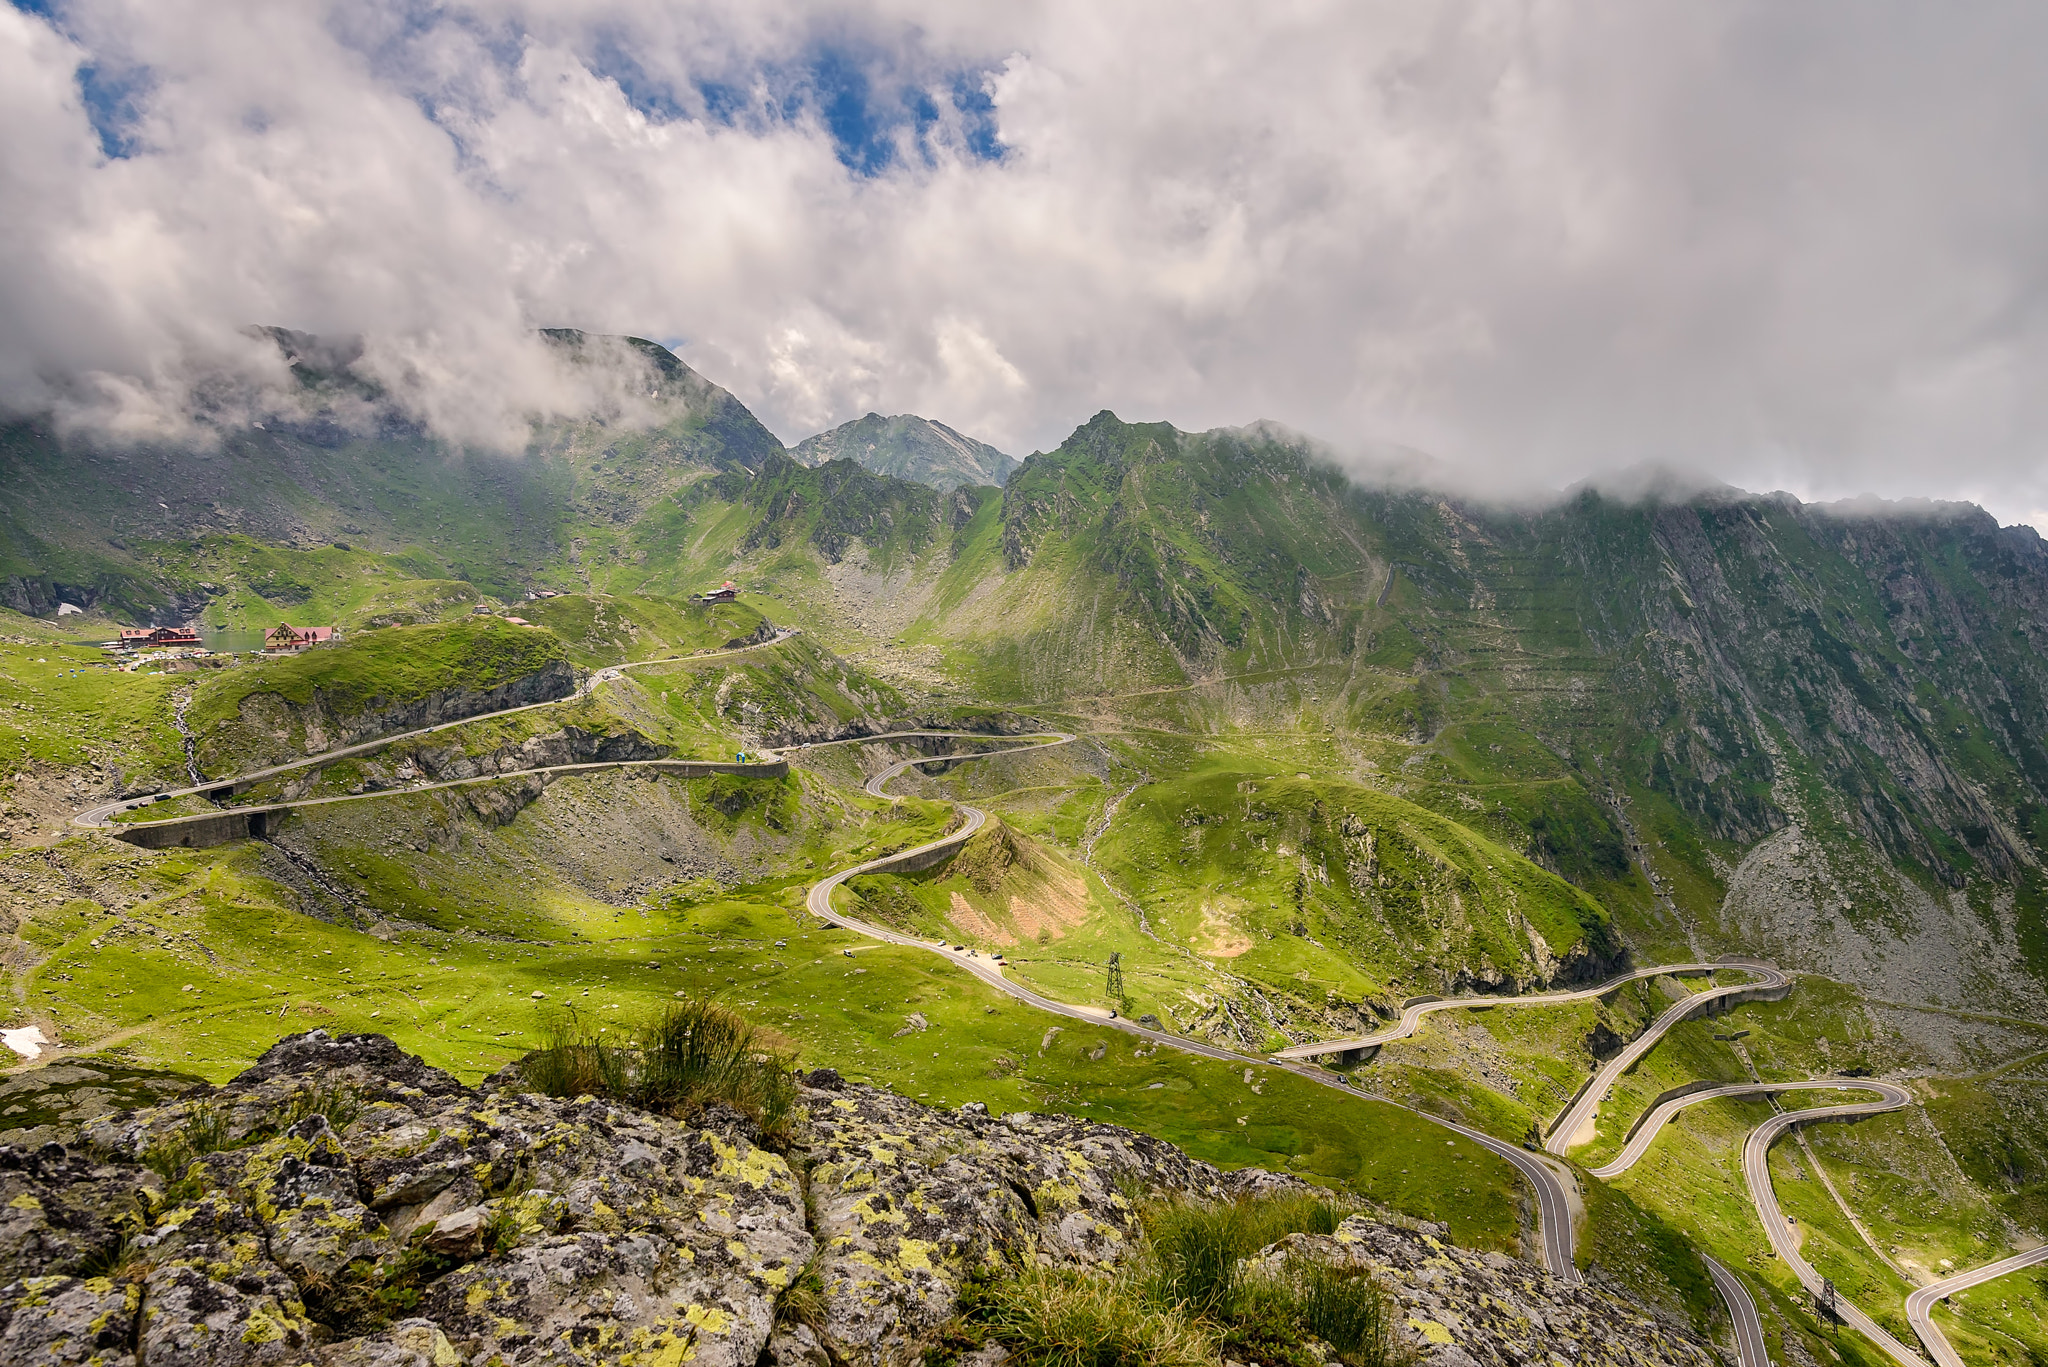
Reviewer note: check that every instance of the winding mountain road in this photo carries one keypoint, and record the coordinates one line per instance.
(1749, 1326)
(1549, 1178)
(1544, 1173)
(103, 814)
(1756, 1173)
(1578, 1116)
(1412, 1014)
(1920, 1305)
(1646, 1134)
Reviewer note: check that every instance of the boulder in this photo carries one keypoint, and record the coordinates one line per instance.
(342, 1204)
(1457, 1308)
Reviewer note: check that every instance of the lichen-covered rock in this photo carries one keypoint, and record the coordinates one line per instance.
(58, 1209)
(523, 1229)
(1457, 1308)
(909, 1202)
(243, 1313)
(68, 1321)
(408, 1343)
(342, 1204)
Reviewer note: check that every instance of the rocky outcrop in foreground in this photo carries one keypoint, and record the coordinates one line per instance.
(343, 1204)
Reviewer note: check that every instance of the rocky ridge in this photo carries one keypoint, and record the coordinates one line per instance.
(909, 447)
(343, 1204)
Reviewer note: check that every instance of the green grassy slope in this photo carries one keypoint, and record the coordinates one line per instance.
(248, 584)
(268, 708)
(600, 630)
(89, 524)
(196, 960)
(62, 705)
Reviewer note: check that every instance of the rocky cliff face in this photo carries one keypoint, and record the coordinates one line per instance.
(344, 1204)
(272, 727)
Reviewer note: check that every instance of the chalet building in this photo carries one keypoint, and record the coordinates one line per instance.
(725, 593)
(286, 639)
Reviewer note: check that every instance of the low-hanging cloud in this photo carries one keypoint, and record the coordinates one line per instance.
(1786, 246)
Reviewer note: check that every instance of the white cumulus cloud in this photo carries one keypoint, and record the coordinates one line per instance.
(1786, 246)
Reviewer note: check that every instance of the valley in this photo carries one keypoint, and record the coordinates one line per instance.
(1271, 788)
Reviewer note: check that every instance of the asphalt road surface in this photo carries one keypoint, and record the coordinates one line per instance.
(428, 786)
(1756, 1172)
(1646, 1133)
(1411, 1016)
(1587, 1105)
(1920, 1305)
(1749, 1326)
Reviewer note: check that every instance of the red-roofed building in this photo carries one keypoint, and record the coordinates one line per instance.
(138, 638)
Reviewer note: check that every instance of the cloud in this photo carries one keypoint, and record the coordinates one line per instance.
(1784, 246)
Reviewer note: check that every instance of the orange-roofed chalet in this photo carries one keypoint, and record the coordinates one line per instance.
(285, 639)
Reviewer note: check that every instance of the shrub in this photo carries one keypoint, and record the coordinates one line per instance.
(115, 1259)
(695, 1054)
(574, 1061)
(1073, 1319)
(1188, 1296)
(172, 1155)
(1344, 1308)
(1197, 1247)
(338, 1101)
(803, 1300)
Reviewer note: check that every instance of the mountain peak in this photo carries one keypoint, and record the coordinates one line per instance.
(912, 448)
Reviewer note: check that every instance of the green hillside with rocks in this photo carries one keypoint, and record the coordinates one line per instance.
(1312, 748)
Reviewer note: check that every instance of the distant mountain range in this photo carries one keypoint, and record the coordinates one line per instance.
(1341, 736)
(912, 448)
(1717, 672)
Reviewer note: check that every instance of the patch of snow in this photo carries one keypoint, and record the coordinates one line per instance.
(66, 609)
(27, 1041)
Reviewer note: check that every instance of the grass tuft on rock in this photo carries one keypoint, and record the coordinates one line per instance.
(206, 1130)
(1054, 1317)
(1191, 1296)
(694, 1055)
(337, 1101)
